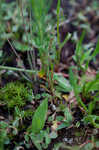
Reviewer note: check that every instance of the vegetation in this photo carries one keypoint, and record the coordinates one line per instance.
(43, 102)
(14, 94)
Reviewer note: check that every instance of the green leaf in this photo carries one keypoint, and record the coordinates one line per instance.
(96, 51)
(63, 84)
(3, 134)
(90, 57)
(40, 8)
(53, 135)
(65, 124)
(91, 106)
(92, 86)
(39, 117)
(85, 57)
(92, 119)
(36, 141)
(79, 46)
(68, 115)
(73, 81)
(76, 88)
(21, 47)
(65, 41)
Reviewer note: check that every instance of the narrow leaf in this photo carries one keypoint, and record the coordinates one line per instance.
(79, 45)
(92, 86)
(73, 81)
(65, 41)
(96, 51)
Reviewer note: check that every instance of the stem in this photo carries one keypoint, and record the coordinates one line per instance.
(58, 34)
(58, 10)
(18, 69)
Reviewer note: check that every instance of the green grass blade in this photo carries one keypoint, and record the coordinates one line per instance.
(79, 45)
(76, 88)
(96, 51)
(65, 41)
(92, 86)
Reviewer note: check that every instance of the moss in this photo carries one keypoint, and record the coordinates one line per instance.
(14, 94)
(29, 113)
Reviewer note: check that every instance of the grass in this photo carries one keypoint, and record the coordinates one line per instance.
(41, 37)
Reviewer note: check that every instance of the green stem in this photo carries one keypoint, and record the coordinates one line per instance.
(58, 10)
(58, 34)
(18, 69)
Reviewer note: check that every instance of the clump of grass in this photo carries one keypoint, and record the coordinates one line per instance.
(14, 94)
(41, 35)
(86, 89)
